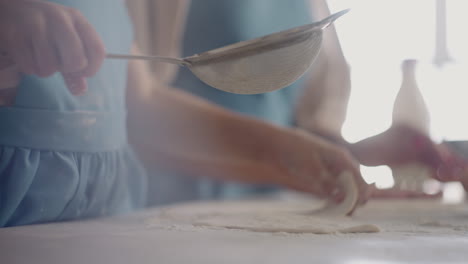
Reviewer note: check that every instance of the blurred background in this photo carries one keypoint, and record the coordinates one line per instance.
(376, 37)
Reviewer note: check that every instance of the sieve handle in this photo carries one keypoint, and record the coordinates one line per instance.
(176, 61)
(329, 20)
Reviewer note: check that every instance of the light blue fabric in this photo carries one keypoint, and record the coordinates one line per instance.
(216, 23)
(64, 157)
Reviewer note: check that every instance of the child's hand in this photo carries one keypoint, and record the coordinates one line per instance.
(42, 38)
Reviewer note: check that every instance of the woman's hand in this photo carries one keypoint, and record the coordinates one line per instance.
(308, 163)
(43, 38)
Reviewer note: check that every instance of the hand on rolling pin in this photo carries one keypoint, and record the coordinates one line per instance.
(42, 38)
(311, 164)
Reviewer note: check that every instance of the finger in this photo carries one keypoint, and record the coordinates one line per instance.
(361, 186)
(92, 43)
(323, 184)
(332, 189)
(21, 52)
(338, 197)
(366, 193)
(449, 173)
(338, 161)
(313, 185)
(7, 96)
(5, 60)
(429, 153)
(342, 161)
(72, 57)
(363, 197)
(464, 182)
(76, 84)
(46, 59)
(9, 76)
(452, 167)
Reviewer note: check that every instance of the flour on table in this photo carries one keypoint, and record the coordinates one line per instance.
(271, 216)
(326, 220)
(285, 223)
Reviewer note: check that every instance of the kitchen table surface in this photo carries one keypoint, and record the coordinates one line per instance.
(411, 232)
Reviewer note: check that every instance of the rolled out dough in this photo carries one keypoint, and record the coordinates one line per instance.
(286, 223)
(276, 216)
(269, 216)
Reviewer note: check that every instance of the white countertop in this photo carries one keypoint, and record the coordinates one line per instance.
(413, 231)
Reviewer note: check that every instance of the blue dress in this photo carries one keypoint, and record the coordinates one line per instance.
(213, 24)
(64, 157)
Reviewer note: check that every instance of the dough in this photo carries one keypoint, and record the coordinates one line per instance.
(270, 216)
(348, 184)
(276, 216)
(286, 223)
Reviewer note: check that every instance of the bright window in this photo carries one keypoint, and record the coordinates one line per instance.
(376, 36)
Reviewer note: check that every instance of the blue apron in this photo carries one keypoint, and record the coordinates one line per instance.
(65, 157)
(215, 23)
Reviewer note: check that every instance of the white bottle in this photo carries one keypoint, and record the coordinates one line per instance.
(410, 109)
